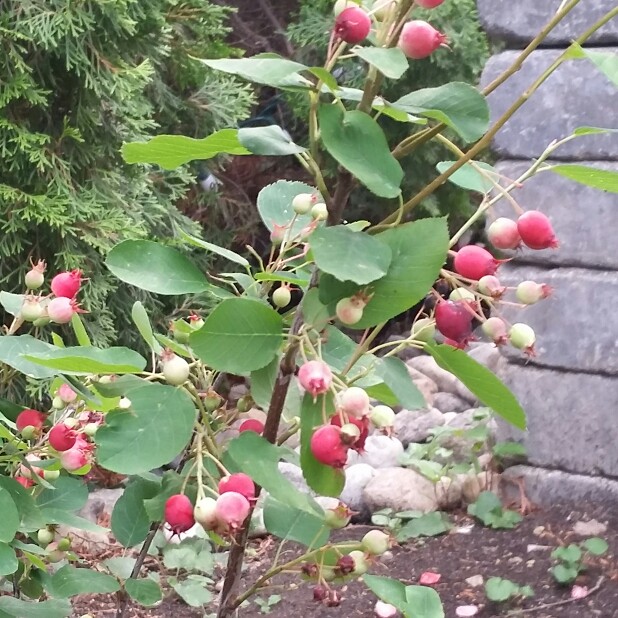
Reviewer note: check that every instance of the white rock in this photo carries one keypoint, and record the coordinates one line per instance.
(416, 425)
(476, 581)
(425, 384)
(487, 354)
(294, 474)
(400, 489)
(444, 380)
(447, 402)
(590, 528)
(100, 502)
(356, 479)
(381, 452)
(449, 417)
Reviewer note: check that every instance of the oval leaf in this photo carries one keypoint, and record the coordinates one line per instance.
(271, 140)
(391, 62)
(208, 246)
(8, 560)
(481, 381)
(357, 142)
(239, 336)
(270, 71)
(156, 268)
(172, 151)
(350, 256)
(288, 523)
(469, 178)
(154, 430)
(274, 204)
(144, 591)
(130, 522)
(57, 608)
(606, 180)
(69, 581)
(13, 350)
(458, 105)
(142, 321)
(9, 522)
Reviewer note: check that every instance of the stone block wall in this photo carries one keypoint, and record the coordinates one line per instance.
(570, 390)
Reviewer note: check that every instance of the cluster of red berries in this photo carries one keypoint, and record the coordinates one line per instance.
(58, 307)
(418, 39)
(68, 441)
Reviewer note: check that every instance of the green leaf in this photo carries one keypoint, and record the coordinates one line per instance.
(156, 268)
(274, 204)
(120, 567)
(240, 335)
(253, 455)
(350, 256)
(509, 449)
(9, 522)
(424, 602)
(29, 514)
(8, 560)
(488, 509)
(397, 377)
(593, 131)
(431, 524)
(263, 383)
(564, 574)
(68, 494)
(151, 433)
(605, 180)
(144, 591)
(11, 303)
(13, 350)
(481, 381)
(391, 62)
(87, 360)
(324, 480)
(69, 581)
(356, 141)
(270, 71)
(271, 140)
(596, 546)
(130, 522)
(469, 177)
(458, 105)
(499, 590)
(570, 553)
(193, 593)
(208, 246)
(57, 608)
(419, 251)
(315, 313)
(388, 590)
(287, 522)
(193, 554)
(142, 321)
(80, 330)
(172, 151)
(60, 516)
(606, 62)
(325, 76)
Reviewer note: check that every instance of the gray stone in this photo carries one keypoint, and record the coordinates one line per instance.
(549, 487)
(447, 402)
(518, 24)
(380, 452)
(571, 97)
(356, 479)
(401, 490)
(449, 492)
(585, 220)
(416, 425)
(577, 326)
(425, 385)
(590, 527)
(571, 419)
(294, 474)
(100, 502)
(444, 380)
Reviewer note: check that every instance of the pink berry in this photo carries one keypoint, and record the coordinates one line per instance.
(30, 418)
(419, 39)
(74, 459)
(350, 310)
(503, 234)
(315, 377)
(536, 231)
(251, 424)
(67, 284)
(327, 447)
(66, 393)
(232, 509)
(495, 329)
(61, 437)
(354, 401)
(179, 513)
(474, 262)
(362, 424)
(454, 320)
(24, 482)
(352, 25)
(429, 4)
(240, 483)
(60, 310)
(491, 286)
(530, 292)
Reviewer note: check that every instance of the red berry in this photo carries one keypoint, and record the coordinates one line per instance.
(251, 424)
(361, 423)
(61, 437)
(24, 482)
(232, 509)
(454, 320)
(30, 418)
(503, 234)
(67, 284)
(179, 513)
(429, 4)
(240, 483)
(419, 39)
(474, 262)
(327, 447)
(536, 231)
(315, 377)
(352, 25)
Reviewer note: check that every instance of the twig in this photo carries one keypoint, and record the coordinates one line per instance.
(517, 612)
(279, 29)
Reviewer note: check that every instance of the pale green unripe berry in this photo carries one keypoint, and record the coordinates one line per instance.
(176, 370)
(342, 5)
(282, 297)
(303, 203)
(382, 417)
(522, 336)
(44, 536)
(423, 330)
(462, 294)
(319, 212)
(376, 542)
(361, 566)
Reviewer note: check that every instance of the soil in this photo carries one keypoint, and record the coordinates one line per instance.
(456, 557)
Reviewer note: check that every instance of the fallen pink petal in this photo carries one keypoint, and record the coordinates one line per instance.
(579, 592)
(385, 610)
(428, 578)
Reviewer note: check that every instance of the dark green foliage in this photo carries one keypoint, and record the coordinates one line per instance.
(77, 80)
(459, 20)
